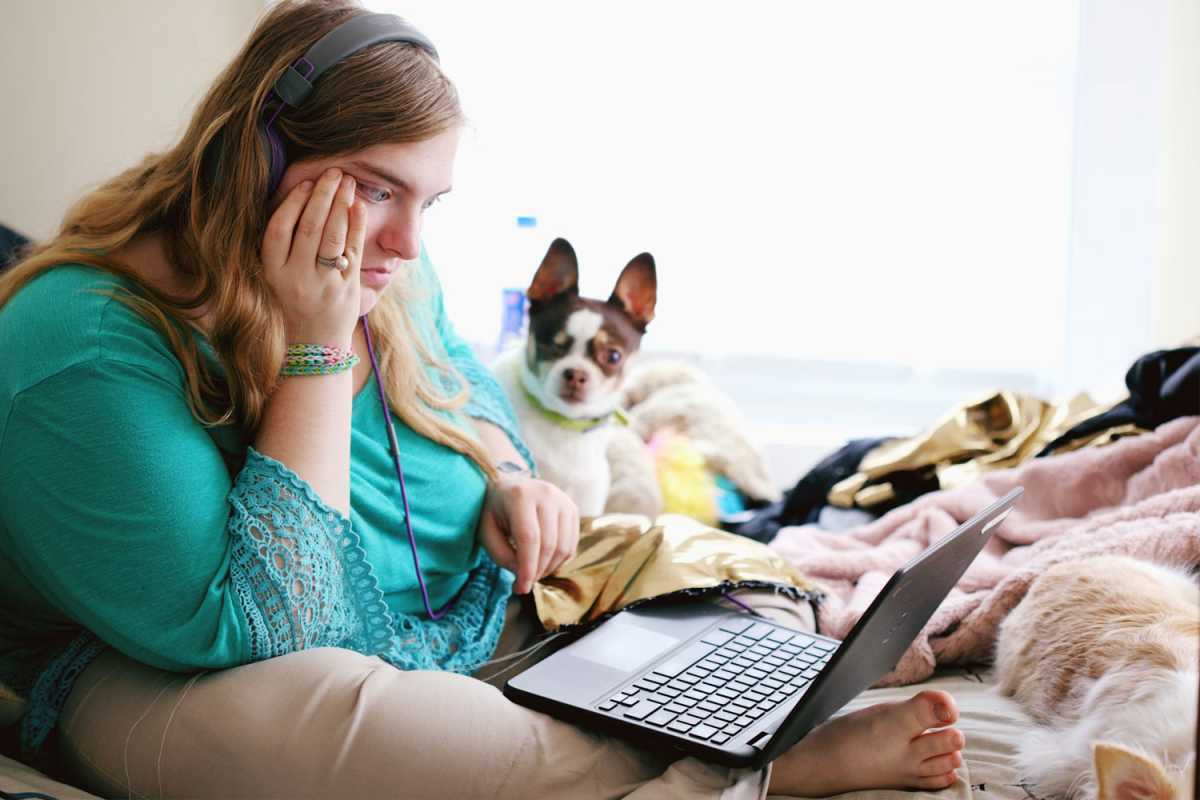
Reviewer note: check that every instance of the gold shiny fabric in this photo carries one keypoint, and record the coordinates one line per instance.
(1000, 430)
(626, 558)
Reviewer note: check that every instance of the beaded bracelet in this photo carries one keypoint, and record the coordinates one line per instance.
(317, 359)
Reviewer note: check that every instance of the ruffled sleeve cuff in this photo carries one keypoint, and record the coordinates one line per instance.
(299, 570)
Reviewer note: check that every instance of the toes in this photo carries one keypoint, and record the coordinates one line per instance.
(940, 765)
(937, 781)
(932, 709)
(938, 743)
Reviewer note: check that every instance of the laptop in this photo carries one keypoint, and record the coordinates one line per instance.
(734, 688)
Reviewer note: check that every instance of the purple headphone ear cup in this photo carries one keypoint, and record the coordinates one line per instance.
(276, 160)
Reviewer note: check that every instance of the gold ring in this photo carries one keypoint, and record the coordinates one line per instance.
(340, 263)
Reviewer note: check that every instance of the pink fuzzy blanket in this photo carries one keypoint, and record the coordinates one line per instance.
(1139, 496)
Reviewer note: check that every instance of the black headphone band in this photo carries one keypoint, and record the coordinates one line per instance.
(344, 40)
(296, 83)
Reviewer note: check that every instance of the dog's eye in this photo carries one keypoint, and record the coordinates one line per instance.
(613, 357)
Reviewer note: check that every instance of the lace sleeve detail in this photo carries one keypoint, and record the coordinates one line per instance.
(302, 579)
(299, 570)
(466, 637)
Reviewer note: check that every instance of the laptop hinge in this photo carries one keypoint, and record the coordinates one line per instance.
(762, 738)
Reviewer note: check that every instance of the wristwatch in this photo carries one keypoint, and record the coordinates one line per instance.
(511, 468)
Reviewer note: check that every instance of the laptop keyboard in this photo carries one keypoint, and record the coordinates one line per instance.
(720, 684)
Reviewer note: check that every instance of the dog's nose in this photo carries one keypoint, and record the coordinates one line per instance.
(577, 378)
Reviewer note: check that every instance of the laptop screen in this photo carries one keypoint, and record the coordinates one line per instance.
(893, 621)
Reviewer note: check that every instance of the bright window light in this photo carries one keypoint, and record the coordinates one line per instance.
(863, 182)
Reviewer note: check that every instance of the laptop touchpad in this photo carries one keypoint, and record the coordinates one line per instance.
(622, 646)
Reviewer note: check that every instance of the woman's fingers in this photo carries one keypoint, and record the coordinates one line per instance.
(277, 241)
(548, 525)
(523, 524)
(311, 229)
(559, 555)
(356, 238)
(320, 304)
(496, 543)
(568, 537)
(337, 224)
(542, 525)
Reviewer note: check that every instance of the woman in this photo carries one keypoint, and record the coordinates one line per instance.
(208, 585)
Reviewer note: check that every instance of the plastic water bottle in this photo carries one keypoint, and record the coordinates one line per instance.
(513, 322)
(526, 254)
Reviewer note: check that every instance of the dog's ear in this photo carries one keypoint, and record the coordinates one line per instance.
(1125, 775)
(637, 290)
(558, 274)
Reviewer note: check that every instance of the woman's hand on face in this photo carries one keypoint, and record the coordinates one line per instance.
(320, 304)
(529, 527)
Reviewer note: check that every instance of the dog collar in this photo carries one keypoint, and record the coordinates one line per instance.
(570, 423)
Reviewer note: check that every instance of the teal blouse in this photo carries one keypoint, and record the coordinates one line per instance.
(122, 526)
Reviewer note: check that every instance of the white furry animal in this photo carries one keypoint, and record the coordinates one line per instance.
(633, 487)
(1103, 654)
(673, 395)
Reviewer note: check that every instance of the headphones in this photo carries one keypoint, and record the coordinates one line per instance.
(296, 84)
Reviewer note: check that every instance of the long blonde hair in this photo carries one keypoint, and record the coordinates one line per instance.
(210, 207)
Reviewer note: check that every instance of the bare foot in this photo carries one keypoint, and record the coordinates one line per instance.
(886, 746)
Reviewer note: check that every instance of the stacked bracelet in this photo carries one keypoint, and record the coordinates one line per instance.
(317, 359)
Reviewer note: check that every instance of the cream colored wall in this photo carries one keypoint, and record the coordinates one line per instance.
(1177, 313)
(90, 86)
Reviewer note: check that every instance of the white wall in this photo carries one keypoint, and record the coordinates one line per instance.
(1178, 300)
(1116, 224)
(1134, 278)
(864, 181)
(90, 86)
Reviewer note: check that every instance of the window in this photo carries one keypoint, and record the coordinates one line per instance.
(865, 181)
(868, 203)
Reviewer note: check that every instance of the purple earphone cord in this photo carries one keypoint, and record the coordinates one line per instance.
(412, 539)
(387, 418)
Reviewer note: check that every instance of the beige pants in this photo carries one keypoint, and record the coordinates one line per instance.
(332, 723)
